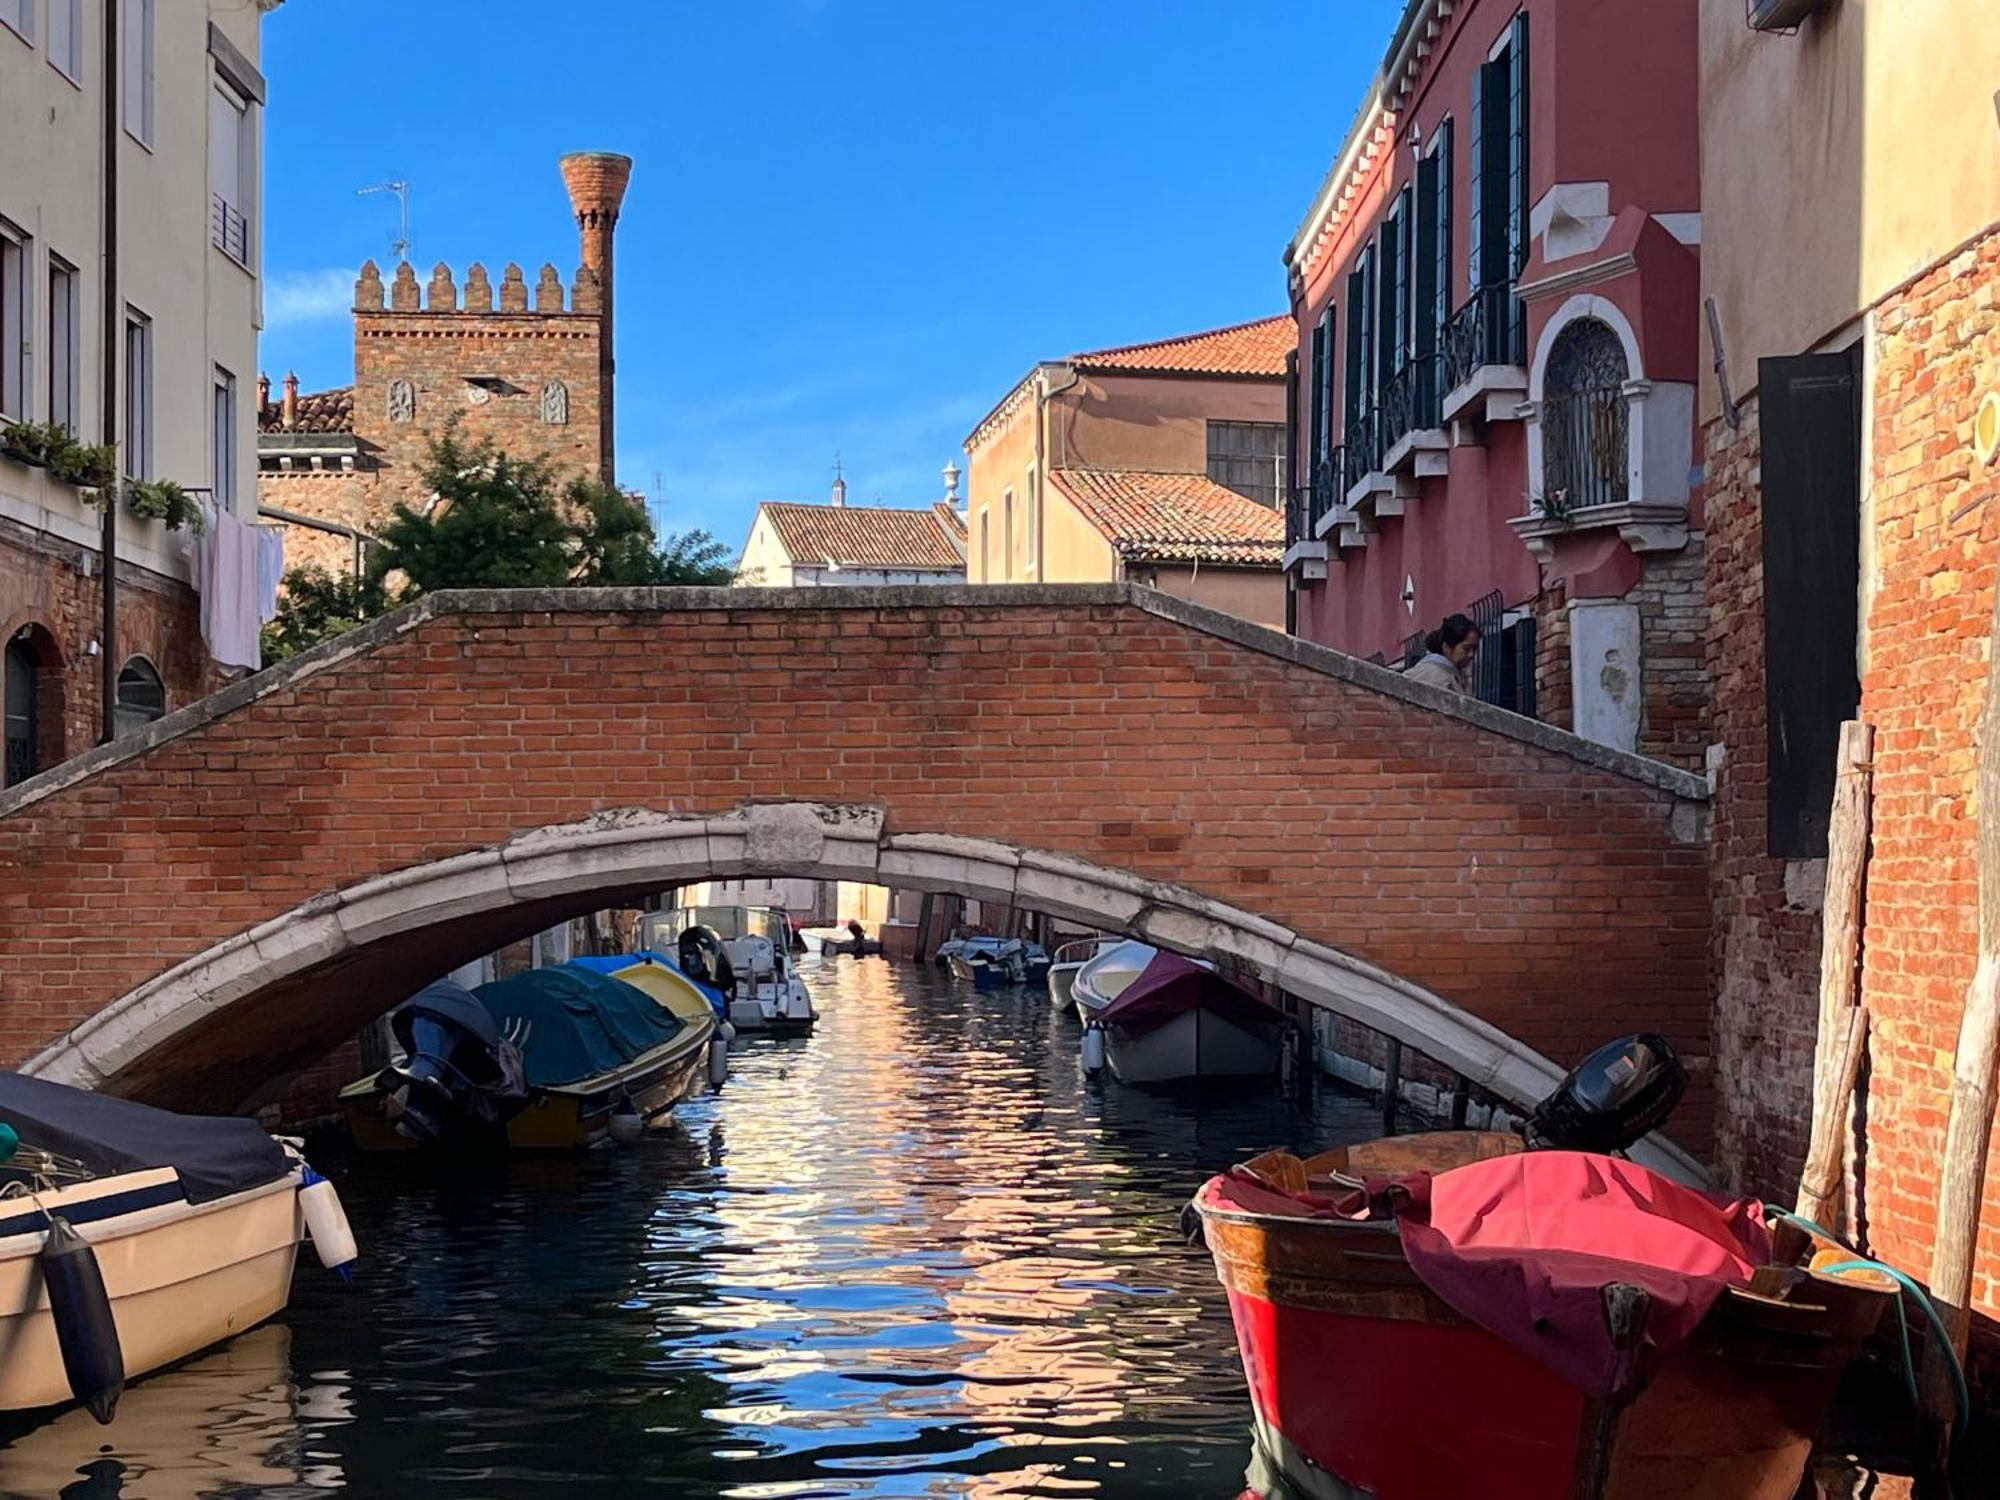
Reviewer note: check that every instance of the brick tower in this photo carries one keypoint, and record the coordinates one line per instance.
(596, 182)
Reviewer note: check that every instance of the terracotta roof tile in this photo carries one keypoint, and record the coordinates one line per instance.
(1175, 517)
(1244, 349)
(864, 536)
(319, 411)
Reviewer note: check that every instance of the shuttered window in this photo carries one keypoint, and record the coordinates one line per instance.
(1810, 412)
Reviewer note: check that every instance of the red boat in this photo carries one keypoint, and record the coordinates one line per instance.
(1443, 1316)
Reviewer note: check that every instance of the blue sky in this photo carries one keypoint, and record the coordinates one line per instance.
(853, 224)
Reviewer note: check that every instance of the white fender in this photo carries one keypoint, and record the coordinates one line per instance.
(1093, 1049)
(326, 1222)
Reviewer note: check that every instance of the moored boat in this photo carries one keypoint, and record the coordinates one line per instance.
(1106, 973)
(990, 963)
(1068, 962)
(559, 1058)
(746, 953)
(1179, 1020)
(1453, 1314)
(189, 1227)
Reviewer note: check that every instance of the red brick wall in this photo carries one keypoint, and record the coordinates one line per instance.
(42, 586)
(1539, 892)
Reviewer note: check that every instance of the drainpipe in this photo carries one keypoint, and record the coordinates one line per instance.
(1043, 392)
(108, 570)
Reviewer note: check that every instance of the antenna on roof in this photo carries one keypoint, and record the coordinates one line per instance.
(839, 481)
(400, 246)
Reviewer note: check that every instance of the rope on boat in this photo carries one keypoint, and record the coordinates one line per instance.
(1961, 1397)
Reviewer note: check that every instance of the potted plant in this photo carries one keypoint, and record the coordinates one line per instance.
(86, 465)
(33, 443)
(163, 500)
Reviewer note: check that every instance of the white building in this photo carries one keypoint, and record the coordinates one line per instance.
(180, 260)
(794, 545)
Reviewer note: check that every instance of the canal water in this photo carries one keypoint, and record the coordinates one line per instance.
(914, 1254)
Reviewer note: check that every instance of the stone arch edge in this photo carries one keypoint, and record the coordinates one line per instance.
(624, 848)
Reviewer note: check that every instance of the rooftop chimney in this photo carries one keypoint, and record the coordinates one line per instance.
(951, 485)
(596, 182)
(263, 393)
(291, 410)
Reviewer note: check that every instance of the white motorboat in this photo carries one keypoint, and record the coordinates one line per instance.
(744, 951)
(1069, 961)
(1174, 1018)
(132, 1238)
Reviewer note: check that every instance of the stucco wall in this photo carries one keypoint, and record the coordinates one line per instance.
(1839, 162)
(1254, 594)
(1000, 462)
(1152, 422)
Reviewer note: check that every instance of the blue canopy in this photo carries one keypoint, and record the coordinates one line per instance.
(580, 1023)
(611, 963)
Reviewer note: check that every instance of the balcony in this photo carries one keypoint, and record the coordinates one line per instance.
(1586, 468)
(229, 230)
(1413, 439)
(1485, 361)
(1367, 486)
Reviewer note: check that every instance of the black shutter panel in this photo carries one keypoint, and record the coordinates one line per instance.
(1810, 411)
(1496, 93)
(1317, 375)
(1475, 170)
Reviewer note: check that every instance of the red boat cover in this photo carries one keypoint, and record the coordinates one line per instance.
(1525, 1245)
(1171, 986)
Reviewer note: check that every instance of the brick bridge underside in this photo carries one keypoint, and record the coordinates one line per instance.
(213, 903)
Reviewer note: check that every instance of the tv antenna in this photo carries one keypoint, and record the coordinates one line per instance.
(400, 247)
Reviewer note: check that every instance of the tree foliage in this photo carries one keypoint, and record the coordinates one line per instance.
(494, 522)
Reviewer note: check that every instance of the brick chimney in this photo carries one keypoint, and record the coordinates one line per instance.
(596, 182)
(291, 407)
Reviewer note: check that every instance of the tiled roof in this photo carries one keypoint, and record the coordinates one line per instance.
(1244, 349)
(319, 411)
(951, 521)
(864, 536)
(1175, 517)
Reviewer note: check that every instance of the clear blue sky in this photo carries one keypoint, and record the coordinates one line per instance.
(853, 224)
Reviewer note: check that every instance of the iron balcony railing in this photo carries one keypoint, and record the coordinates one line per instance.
(1490, 329)
(229, 229)
(1327, 488)
(1585, 448)
(1364, 447)
(1410, 400)
(1298, 515)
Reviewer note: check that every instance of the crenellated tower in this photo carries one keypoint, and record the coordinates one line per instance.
(596, 181)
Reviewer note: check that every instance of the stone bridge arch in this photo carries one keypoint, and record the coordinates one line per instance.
(253, 874)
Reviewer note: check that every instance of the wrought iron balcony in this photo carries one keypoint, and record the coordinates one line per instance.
(1364, 447)
(1490, 329)
(1327, 486)
(1411, 399)
(1586, 449)
(229, 229)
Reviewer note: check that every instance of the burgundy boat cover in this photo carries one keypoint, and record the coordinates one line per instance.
(1525, 1245)
(1171, 986)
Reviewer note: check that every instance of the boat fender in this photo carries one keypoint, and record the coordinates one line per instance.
(1093, 1049)
(85, 1331)
(626, 1126)
(718, 1058)
(326, 1224)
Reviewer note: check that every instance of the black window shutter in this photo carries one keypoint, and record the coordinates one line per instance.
(1386, 279)
(1517, 146)
(1810, 411)
(1475, 169)
(1495, 141)
(1357, 342)
(1317, 375)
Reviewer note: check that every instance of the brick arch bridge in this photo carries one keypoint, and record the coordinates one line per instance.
(224, 897)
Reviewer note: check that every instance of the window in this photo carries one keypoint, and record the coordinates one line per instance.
(1322, 386)
(985, 545)
(1434, 242)
(1007, 533)
(1034, 524)
(222, 462)
(1360, 326)
(229, 174)
(21, 688)
(138, 395)
(1394, 289)
(1249, 458)
(64, 325)
(1585, 442)
(14, 340)
(66, 38)
(19, 16)
(142, 697)
(136, 68)
(1497, 244)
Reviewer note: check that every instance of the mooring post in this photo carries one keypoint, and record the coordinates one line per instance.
(1392, 1085)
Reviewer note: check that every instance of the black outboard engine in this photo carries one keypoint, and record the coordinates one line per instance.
(1611, 1099)
(453, 1080)
(705, 960)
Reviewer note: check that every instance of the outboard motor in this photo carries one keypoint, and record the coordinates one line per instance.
(704, 959)
(453, 1077)
(1611, 1099)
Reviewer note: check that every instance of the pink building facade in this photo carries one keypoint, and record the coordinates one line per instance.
(1497, 299)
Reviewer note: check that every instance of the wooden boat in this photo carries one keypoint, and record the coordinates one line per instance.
(1366, 1382)
(193, 1223)
(1068, 962)
(595, 1053)
(1104, 976)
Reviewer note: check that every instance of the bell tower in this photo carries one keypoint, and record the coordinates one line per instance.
(596, 181)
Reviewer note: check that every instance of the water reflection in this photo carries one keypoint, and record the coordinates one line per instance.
(913, 1255)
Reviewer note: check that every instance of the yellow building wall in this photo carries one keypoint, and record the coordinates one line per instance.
(1152, 422)
(992, 468)
(1838, 162)
(1253, 594)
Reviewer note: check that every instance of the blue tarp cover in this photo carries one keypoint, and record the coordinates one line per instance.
(613, 962)
(580, 1023)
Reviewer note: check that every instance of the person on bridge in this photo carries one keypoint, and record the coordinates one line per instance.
(1449, 652)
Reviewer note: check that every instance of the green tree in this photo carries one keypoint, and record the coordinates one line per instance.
(317, 606)
(616, 543)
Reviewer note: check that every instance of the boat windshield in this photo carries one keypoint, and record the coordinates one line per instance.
(729, 923)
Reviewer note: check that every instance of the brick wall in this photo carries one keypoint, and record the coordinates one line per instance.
(1552, 664)
(43, 588)
(1560, 901)
(347, 498)
(1672, 597)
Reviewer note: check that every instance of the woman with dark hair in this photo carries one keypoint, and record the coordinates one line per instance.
(1448, 654)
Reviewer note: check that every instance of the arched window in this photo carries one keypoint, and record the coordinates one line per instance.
(1585, 442)
(142, 697)
(23, 722)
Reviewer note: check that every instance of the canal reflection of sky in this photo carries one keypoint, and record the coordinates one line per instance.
(913, 1255)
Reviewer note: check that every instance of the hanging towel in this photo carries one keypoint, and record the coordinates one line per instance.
(229, 595)
(270, 571)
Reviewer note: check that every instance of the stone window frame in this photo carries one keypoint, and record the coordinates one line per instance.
(17, 317)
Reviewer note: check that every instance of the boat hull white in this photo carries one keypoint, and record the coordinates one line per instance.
(1196, 1044)
(1062, 984)
(180, 1277)
(783, 1009)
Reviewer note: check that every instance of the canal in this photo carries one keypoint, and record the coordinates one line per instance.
(915, 1254)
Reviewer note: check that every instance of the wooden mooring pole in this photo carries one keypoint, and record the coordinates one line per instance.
(1392, 1085)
